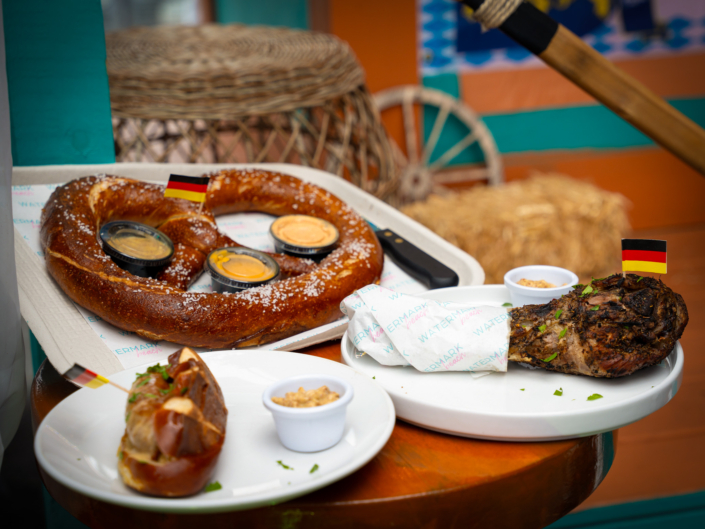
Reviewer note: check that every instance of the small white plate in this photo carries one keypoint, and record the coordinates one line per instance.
(495, 407)
(77, 442)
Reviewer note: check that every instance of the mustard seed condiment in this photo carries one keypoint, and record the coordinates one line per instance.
(540, 283)
(307, 398)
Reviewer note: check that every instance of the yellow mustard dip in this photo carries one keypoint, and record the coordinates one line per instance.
(303, 230)
(240, 267)
(139, 244)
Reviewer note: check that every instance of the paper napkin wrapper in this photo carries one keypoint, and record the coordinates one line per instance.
(397, 330)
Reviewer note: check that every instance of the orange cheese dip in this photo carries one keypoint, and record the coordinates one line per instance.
(303, 230)
(139, 244)
(307, 398)
(240, 267)
(540, 283)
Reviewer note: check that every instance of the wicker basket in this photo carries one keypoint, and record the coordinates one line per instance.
(246, 94)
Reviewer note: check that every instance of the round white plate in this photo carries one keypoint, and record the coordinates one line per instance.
(78, 440)
(495, 407)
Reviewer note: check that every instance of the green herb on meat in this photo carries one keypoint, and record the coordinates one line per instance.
(558, 313)
(184, 390)
(639, 279)
(542, 328)
(588, 290)
(550, 357)
(562, 334)
(133, 398)
(167, 390)
(596, 307)
(159, 369)
(143, 382)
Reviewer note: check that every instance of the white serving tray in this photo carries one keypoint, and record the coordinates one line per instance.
(494, 407)
(65, 335)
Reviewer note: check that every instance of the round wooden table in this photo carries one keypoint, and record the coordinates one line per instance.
(419, 479)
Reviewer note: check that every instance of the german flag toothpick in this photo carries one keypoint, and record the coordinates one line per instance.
(85, 377)
(644, 255)
(191, 188)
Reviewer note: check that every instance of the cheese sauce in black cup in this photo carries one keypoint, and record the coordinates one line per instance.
(137, 248)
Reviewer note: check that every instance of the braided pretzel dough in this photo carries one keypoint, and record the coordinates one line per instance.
(162, 309)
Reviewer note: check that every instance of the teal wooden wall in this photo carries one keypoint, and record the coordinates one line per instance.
(57, 82)
(563, 128)
(289, 13)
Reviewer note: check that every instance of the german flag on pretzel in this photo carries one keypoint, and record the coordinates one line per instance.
(644, 255)
(191, 188)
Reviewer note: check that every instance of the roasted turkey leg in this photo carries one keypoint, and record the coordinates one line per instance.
(609, 328)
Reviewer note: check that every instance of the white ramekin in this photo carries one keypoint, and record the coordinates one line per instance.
(309, 429)
(522, 295)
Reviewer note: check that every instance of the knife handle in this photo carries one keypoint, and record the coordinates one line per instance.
(416, 262)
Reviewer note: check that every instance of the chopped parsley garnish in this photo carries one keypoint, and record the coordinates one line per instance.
(558, 313)
(213, 486)
(150, 395)
(562, 334)
(287, 467)
(313, 468)
(140, 375)
(588, 290)
(373, 378)
(507, 304)
(159, 369)
(596, 307)
(127, 417)
(578, 286)
(542, 328)
(522, 389)
(594, 396)
(550, 357)
(639, 279)
(143, 382)
(167, 390)
(184, 390)
(121, 454)
(558, 392)
(133, 398)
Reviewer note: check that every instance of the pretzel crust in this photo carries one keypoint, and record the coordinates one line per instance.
(162, 309)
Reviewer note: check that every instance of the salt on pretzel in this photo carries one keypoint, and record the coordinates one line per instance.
(162, 309)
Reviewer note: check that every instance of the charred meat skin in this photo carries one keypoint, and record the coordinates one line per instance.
(620, 326)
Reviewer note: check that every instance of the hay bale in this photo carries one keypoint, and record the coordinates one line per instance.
(547, 219)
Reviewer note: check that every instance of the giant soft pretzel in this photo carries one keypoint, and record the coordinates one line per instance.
(162, 309)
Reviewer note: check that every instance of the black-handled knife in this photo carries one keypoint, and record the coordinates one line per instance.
(415, 261)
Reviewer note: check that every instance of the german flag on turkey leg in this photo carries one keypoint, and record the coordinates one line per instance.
(644, 255)
(191, 188)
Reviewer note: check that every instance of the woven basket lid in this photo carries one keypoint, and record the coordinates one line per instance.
(221, 72)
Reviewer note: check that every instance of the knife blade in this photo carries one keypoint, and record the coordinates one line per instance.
(414, 261)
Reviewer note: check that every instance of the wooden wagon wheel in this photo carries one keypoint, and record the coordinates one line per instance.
(419, 174)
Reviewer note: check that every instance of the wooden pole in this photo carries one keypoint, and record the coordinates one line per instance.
(566, 53)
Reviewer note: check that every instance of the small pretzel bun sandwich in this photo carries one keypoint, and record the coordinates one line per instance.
(175, 429)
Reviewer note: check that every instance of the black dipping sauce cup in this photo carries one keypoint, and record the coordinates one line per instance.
(217, 263)
(289, 247)
(118, 238)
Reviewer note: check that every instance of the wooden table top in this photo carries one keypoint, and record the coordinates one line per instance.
(419, 479)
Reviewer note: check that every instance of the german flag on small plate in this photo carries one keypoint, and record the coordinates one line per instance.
(191, 188)
(644, 255)
(85, 377)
